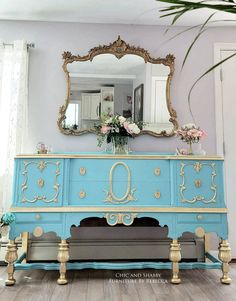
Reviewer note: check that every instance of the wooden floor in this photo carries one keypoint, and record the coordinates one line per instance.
(143, 285)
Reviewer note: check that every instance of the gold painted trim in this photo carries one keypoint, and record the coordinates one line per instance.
(119, 209)
(197, 166)
(41, 166)
(129, 194)
(111, 156)
(118, 48)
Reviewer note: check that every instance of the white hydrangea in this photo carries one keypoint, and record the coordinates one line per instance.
(133, 128)
(189, 126)
(122, 119)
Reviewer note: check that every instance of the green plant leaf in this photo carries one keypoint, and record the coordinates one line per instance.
(204, 74)
(229, 7)
(201, 31)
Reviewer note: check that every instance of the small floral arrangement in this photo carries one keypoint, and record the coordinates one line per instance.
(5, 220)
(190, 133)
(42, 148)
(116, 127)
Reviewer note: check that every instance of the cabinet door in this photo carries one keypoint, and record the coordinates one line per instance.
(86, 104)
(39, 182)
(94, 108)
(199, 183)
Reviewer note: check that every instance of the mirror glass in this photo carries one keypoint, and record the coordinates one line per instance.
(127, 85)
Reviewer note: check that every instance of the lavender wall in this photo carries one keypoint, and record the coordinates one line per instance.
(47, 86)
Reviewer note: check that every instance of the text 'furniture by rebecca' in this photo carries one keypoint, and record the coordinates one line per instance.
(52, 192)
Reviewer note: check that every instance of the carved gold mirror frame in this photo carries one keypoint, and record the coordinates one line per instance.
(118, 48)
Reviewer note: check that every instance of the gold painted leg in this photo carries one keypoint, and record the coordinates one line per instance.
(10, 258)
(175, 257)
(225, 257)
(63, 257)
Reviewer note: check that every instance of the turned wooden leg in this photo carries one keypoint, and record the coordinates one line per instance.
(10, 258)
(63, 257)
(225, 257)
(175, 257)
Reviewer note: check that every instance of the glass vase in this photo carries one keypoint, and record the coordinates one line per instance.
(198, 150)
(120, 144)
(190, 148)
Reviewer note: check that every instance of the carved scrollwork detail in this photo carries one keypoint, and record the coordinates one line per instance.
(197, 167)
(41, 165)
(126, 219)
(129, 194)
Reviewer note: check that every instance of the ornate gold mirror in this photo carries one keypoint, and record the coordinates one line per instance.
(118, 79)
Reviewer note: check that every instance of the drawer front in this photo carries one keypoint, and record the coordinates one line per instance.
(199, 184)
(39, 182)
(138, 170)
(101, 193)
(38, 218)
(199, 218)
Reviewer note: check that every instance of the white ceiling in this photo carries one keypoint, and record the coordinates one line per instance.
(98, 11)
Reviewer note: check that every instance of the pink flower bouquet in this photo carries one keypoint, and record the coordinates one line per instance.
(190, 133)
(116, 128)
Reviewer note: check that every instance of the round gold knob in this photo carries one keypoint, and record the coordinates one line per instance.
(37, 216)
(82, 194)
(157, 171)
(38, 231)
(200, 217)
(157, 194)
(197, 183)
(200, 232)
(82, 171)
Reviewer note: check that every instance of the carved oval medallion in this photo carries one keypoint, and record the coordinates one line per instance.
(128, 196)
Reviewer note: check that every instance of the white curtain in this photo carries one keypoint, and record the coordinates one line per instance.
(13, 113)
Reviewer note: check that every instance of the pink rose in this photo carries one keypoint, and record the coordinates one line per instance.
(126, 124)
(105, 129)
(203, 133)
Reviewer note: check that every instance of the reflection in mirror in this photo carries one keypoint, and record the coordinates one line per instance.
(127, 84)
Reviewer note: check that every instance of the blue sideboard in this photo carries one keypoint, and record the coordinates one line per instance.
(52, 192)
